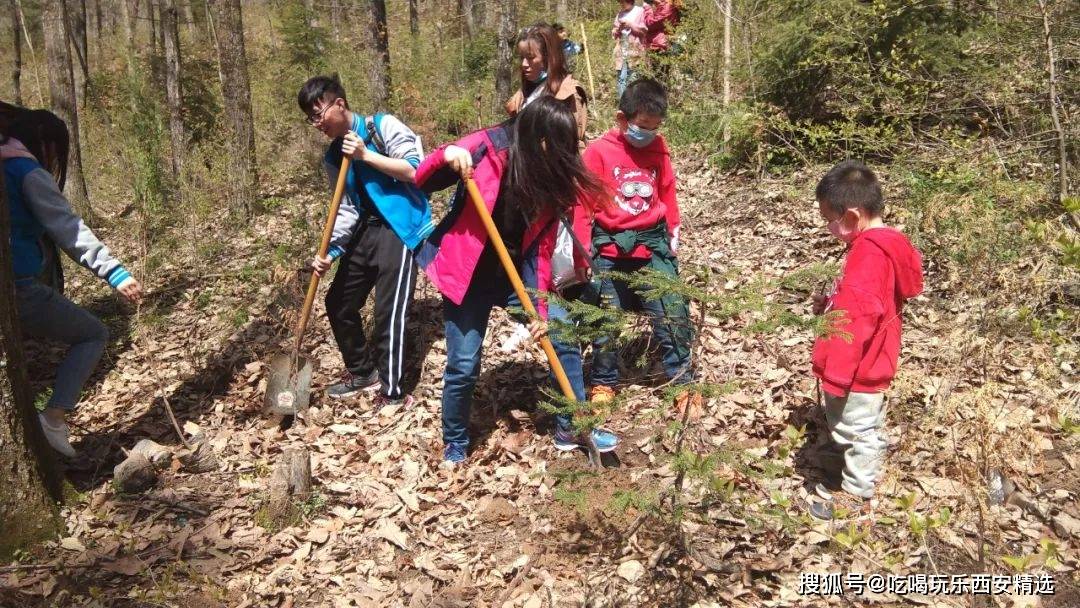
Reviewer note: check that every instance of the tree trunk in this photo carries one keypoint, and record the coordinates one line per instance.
(486, 14)
(172, 84)
(75, 13)
(727, 52)
(236, 92)
(1051, 69)
(130, 10)
(62, 92)
(189, 17)
(560, 12)
(504, 69)
(157, 32)
(16, 39)
(30, 47)
(725, 7)
(210, 28)
(27, 511)
(98, 16)
(380, 70)
(465, 7)
(335, 17)
(414, 19)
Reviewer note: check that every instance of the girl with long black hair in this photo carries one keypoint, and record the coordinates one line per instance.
(530, 175)
(34, 150)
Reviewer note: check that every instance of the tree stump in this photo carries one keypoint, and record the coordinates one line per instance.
(135, 474)
(289, 483)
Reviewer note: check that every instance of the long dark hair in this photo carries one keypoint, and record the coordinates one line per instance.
(545, 171)
(43, 133)
(550, 47)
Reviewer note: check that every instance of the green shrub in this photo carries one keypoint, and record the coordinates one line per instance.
(480, 55)
(305, 43)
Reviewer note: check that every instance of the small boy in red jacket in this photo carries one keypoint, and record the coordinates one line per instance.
(857, 363)
(638, 228)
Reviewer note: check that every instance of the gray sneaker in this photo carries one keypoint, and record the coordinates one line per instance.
(351, 385)
(57, 436)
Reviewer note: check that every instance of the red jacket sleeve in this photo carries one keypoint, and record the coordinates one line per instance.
(667, 195)
(582, 221)
(836, 360)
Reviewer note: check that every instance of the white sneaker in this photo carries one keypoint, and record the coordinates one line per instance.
(57, 435)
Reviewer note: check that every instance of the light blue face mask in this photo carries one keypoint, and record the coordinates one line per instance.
(638, 137)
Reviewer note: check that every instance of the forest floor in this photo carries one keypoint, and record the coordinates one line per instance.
(521, 524)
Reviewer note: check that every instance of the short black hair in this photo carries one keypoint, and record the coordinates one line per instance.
(317, 88)
(644, 96)
(850, 185)
(558, 27)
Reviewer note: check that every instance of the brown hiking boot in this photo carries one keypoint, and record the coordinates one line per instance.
(601, 394)
(692, 400)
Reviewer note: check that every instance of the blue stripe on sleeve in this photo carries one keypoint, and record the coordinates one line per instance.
(335, 252)
(118, 276)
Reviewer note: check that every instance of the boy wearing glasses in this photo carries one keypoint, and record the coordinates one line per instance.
(637, 229)
(383, 220)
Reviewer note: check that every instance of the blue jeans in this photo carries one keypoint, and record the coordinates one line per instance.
(673, 333)
(623, 78)
(466, 324)
(45, 313)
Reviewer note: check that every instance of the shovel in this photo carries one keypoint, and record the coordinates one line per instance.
(288, 389)
(526, 303)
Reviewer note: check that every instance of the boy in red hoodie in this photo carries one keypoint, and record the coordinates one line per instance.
(857, 363)
(639, 228)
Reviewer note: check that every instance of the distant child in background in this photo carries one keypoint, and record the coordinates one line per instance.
(570, 48)
(857, 363)
(628, 31)
(661, 18)
(640, 230)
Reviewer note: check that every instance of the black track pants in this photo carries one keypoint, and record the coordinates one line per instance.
(375, 259)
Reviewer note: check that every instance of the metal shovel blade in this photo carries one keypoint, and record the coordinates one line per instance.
(288, 389)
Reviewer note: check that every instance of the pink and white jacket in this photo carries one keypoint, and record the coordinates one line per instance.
(450, 254)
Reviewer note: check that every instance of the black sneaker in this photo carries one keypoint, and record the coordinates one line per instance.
(351, 385)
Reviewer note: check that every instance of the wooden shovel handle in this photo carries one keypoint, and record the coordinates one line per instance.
(519, 287)
(324, 246)
(588, 62)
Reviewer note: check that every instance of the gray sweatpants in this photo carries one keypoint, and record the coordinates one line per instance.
(45, 313)
(855, 424)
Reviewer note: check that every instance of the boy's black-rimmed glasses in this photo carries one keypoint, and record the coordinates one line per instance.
(313, 119)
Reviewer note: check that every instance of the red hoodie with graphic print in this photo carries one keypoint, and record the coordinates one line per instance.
(642, 184)
(881, 271)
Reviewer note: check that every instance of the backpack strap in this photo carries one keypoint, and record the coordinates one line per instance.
(374, 135)
(573, 237)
